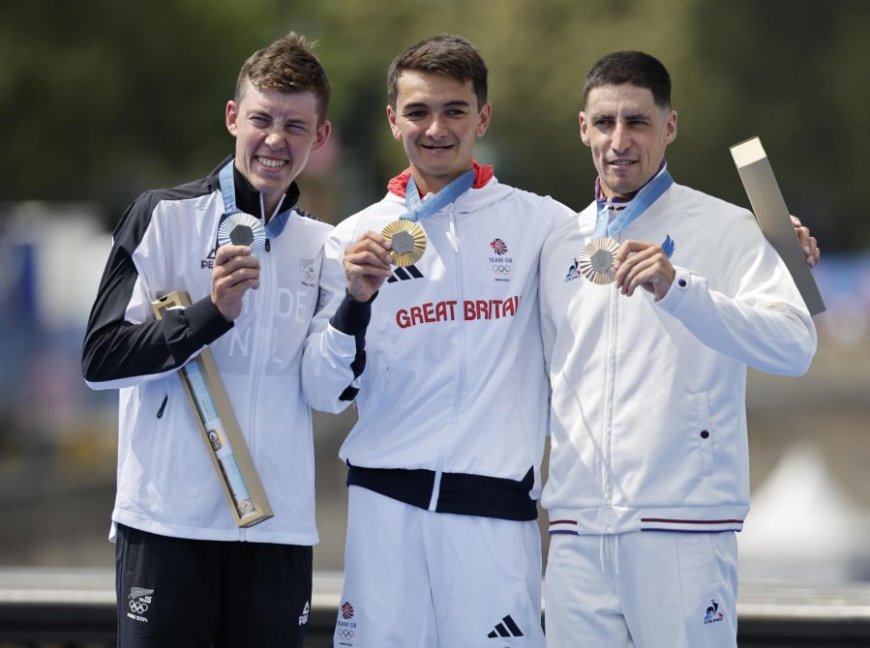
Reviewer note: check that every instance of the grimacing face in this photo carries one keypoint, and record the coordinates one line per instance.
(275, 133)
(627, 134)
(437, 119)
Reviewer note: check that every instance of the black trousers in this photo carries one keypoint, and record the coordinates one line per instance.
(177, 593)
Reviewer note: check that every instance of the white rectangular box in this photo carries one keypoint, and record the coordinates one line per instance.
(220, 430)
(773, 216)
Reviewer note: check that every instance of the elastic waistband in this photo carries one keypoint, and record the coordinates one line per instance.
(459, 493)
(616, 519)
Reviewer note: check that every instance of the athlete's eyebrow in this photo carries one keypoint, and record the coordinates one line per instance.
(638, 116)
(450, 104)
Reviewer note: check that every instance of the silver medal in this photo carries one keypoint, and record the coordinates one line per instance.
(242, 229)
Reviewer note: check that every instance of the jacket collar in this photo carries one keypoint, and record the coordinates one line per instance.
(483, 173)
(248, 198)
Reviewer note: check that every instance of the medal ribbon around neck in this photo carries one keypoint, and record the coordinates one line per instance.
(407, 238)
(638, 205)
(418, 210)
(240, 228)
(597, 260)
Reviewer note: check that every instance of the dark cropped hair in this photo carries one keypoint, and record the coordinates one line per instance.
(635, 68)
(446, 54)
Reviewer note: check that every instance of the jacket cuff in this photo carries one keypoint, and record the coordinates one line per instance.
(677, 293)
(352, 317)
(206, 322)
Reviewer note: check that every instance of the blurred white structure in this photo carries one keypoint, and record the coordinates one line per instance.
(803, 527)
(70, 251)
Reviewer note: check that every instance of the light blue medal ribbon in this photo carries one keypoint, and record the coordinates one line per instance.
(597, 259)
(406, 236)
(228, 192)
(604, 227)
(418, 209)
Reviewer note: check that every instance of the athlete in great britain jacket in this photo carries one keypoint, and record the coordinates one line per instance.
(453, 389)
(166, 483)
(648, 405)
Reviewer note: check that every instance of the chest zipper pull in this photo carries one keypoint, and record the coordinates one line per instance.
(268, 245)
(162, 406)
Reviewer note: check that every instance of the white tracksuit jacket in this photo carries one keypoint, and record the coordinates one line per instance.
(166, 483)
(648, 398)
(453, 393)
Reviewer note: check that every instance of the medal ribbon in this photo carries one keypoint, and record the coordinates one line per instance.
(651, 192)
(228, 191)
(417, 209)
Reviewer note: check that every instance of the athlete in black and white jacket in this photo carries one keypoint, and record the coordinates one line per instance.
(187, 575)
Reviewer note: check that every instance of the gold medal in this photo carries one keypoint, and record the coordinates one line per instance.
(407, 242)
(597, 260)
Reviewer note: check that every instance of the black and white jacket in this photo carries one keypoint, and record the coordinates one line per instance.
(166, 241)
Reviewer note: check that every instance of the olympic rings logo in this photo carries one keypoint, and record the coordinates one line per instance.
(501, 268)
(345, 633)
(138, 607)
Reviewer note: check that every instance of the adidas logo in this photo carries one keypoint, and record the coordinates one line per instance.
(507, 628)
(404, 274)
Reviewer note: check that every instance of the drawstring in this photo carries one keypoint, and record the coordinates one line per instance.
(601, 551)
(614, 548)
(616, 552)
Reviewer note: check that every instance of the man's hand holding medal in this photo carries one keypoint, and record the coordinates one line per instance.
(367, 265)
(643, 264)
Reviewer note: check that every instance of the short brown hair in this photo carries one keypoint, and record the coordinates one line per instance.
(446, 54)
(287, 65)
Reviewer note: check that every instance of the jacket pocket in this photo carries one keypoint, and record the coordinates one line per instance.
(704, 433)
(162, 409)
(371, 397)
(149, 430)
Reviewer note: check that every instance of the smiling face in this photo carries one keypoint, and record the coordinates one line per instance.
(628, 134)
(275, 133)
(437, 119)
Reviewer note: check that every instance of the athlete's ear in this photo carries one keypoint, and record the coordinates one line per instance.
(584, 125)
(232, 117)
(671, 127)
(391, 117)
(485, 118)
(322, 136)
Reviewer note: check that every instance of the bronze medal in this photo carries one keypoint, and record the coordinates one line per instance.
(598, 259)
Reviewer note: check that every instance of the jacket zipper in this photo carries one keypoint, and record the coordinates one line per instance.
(260, 336)
(610, 387)
(453, 238)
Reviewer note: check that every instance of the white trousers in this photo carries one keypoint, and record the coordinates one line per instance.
(647, 589)
(418, 579)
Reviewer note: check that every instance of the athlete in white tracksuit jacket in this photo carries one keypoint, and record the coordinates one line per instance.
(446, 365)
(452, 400)
(649, 474)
